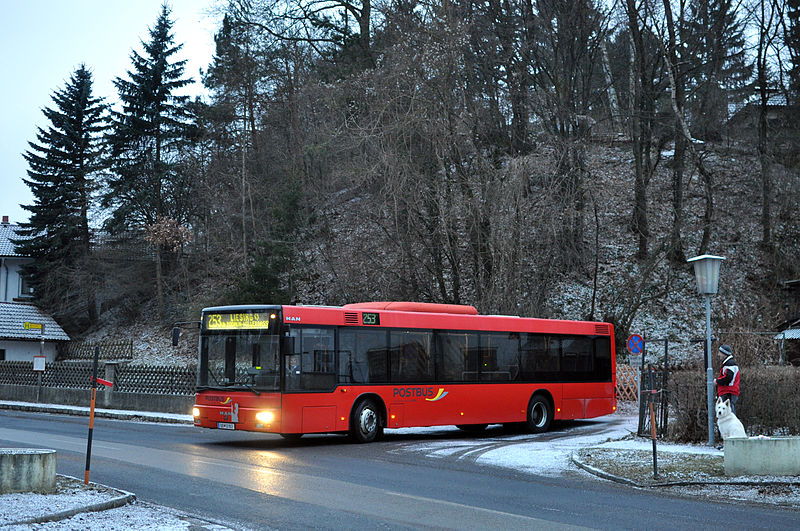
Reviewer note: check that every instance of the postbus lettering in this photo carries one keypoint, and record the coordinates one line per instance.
(413, 392)
(217, 398)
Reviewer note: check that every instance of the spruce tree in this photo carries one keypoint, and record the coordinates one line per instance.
(719, 70)
(792, 40)
(146, 188)
(63, 166)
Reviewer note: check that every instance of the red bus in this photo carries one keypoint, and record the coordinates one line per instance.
(360, 368)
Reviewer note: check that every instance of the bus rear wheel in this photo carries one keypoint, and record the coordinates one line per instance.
(365, 424)
(540, 414)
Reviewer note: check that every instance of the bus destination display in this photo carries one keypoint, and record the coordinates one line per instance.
(370, 319)
(236, 321)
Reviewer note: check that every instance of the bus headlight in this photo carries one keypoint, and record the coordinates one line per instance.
(195, 412)
(265, 417)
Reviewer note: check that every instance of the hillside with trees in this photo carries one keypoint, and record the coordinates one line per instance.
(544, 158)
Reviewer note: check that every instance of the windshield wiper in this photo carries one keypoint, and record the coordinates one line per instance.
(224, 386)
(249, 388)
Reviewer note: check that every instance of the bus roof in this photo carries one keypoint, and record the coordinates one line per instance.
(402, 306)
(425, 315)
(243, 307)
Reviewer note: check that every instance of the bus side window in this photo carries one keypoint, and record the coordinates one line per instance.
(500, 353)
(410, 355)
(577, 358)
(540, 357)
(602, 359)
(454, 356)
(362, 356)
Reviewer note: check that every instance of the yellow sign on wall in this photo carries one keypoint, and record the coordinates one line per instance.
(32, 326)
(236, 321)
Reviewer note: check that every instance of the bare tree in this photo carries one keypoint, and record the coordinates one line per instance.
(675, 27)
(683, 130)
(767, 16)
(645, 68)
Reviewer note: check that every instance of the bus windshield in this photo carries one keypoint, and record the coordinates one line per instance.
(245, 360)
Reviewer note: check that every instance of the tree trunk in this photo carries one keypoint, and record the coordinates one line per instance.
(763, 149)
(639, 133)
(612, 93)
(159, 281)
(675, 251)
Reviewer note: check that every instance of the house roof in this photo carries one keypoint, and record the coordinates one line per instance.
(14, 315)
(7, 232)
(789, 333)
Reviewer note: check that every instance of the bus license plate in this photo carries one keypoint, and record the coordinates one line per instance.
(226, 425)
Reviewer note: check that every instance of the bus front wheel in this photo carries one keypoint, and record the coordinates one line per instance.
(365, 425)
(540, 414)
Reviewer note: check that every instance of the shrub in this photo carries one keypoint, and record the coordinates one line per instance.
(768, 403)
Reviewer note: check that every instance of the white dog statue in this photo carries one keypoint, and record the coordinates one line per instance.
(730, 427)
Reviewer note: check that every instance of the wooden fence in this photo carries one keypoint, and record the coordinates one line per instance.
(627, 382)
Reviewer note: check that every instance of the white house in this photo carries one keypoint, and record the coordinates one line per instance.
(20, 337)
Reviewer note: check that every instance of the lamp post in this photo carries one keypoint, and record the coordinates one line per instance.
(706, 272)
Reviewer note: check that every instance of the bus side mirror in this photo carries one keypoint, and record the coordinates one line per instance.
(176, 334)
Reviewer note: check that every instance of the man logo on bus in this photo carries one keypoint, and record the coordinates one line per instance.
(428, 393)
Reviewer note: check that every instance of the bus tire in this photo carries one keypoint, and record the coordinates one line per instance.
(540, 414)
(365, 424)
(291, 436)
(471, 428)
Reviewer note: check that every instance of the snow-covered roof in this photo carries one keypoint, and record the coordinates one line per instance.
(789, 333)
(8, 231)
(14, 315)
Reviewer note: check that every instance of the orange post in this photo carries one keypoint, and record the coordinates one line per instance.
(653, 434)
(91, 415)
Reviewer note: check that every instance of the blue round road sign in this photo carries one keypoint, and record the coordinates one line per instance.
(635, 344)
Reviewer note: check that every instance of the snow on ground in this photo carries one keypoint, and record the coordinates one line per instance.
(73, 495)
(543, 455)
(111, 413)
(551, 458)
(132, 516)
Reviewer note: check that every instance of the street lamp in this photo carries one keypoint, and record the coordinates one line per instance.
(706, 272)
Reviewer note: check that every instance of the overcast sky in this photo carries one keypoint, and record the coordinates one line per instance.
(42, 42)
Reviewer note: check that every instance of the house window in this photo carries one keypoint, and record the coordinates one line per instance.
(2, 354)
(26, 289)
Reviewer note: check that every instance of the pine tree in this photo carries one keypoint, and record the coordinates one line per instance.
(63, 164)
(792, 39)
(720, 70)
(146, 187)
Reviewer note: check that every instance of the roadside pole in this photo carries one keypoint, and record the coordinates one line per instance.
(91, 414)
(38, 361)
(652, 399)
(41, 357)
(95, 381)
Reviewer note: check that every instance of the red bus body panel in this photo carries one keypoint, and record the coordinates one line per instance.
(413, 404)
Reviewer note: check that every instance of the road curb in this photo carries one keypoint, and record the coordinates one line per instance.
(601, 473)
(123, 499)
(625, 481)
(98, 412)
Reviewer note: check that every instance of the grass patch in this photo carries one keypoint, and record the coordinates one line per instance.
(637, 465)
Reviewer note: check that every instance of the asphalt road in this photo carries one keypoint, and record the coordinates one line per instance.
(262, 481)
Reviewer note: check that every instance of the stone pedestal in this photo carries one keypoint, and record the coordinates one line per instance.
(27, 470)
(763, 456)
